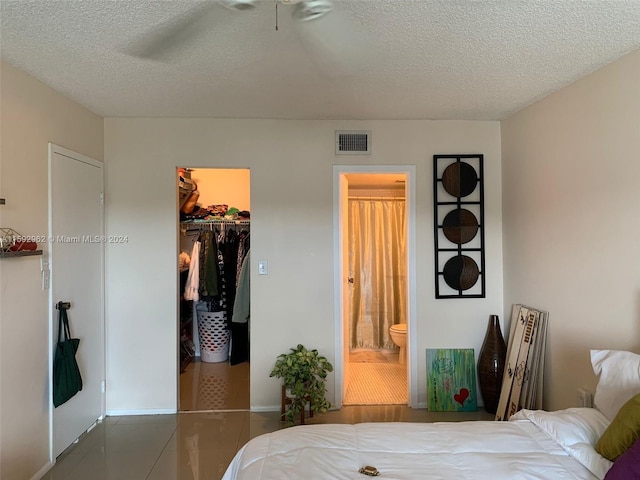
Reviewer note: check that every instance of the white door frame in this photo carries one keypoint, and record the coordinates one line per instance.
(338, 262)
(53, 320)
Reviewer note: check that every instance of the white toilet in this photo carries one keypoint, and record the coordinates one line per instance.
(398, 334)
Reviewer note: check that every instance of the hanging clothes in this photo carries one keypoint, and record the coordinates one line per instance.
(240, 329)
(242, 305)
(183, 267)
(229, 251)
(209, 270)
(216, 271)
(239, 258)
(193, 278)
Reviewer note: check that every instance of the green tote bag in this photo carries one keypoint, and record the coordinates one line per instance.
(67, 380)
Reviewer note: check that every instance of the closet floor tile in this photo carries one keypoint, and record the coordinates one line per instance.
(214, 386)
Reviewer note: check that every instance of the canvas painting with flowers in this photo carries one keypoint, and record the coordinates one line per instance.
(451, 380)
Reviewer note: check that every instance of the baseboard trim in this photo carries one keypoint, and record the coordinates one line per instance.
(265, 408)
(43, 471)
(153, 411)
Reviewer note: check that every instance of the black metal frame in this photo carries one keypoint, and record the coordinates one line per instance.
(459, 249)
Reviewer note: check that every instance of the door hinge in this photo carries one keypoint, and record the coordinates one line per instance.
(103, 386)
(101, 198)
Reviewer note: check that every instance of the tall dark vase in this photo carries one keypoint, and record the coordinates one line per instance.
(491, 363)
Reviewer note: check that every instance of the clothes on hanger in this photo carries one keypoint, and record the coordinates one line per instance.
(229, 249)
(191, 291)
(217, 276)
(209, 269)
(242, 305)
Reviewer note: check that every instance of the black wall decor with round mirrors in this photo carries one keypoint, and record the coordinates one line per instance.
(460, 226)
(458, 191)
(459, 179)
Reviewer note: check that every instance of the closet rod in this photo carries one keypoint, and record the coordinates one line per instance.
(218, 221)
(195, 226)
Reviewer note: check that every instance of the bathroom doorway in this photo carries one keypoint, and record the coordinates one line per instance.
(375, 306)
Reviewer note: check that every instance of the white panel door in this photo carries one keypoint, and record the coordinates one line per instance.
(76, 258)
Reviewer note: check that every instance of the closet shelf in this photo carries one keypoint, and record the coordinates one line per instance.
(20, 253)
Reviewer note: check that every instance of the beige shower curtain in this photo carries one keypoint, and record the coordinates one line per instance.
(377, 265)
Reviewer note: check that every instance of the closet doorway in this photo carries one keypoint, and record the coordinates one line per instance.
(214, 225)
(375, 252)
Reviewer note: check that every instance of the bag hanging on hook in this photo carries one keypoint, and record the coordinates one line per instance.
(67, 380)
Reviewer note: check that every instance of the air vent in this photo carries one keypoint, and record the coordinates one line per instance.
(353, 142)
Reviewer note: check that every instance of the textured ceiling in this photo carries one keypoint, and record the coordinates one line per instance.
(367, 59)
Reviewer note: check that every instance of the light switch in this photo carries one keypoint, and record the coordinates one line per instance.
(263, 267)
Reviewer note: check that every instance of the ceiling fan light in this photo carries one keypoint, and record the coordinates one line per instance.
(238, 4)
(311, 9)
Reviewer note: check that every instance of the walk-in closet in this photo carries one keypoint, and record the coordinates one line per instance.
(214, 317)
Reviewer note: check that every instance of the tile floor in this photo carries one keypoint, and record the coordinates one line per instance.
(200, 445)
(376, 378)
(214, 386)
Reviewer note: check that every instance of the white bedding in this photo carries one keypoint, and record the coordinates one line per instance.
(533, 445)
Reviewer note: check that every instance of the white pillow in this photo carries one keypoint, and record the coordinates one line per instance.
(577, 430)
(570, 426)
(618, 379)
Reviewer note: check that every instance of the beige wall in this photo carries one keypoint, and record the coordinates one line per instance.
(223, 186)
(31, 115)
(571, 194)
(291, 166)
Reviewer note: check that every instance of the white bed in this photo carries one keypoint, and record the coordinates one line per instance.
(532, 445)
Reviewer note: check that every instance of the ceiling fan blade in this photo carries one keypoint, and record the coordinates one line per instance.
(166, 39)
(337, 45)
(305, 10)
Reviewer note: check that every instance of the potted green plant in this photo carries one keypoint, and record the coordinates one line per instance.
(304, 374)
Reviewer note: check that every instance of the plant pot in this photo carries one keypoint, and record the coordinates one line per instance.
(288, 399)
